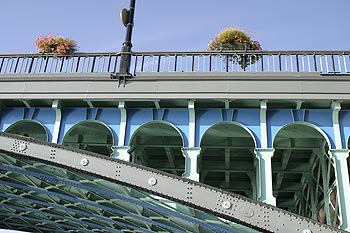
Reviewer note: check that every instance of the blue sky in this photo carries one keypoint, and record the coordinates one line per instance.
(182, 25)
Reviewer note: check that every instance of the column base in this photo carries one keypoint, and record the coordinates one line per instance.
(121, 152)
(268, 200)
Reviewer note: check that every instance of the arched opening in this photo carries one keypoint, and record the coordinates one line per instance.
(158, 144)
(29, 128)
(227, 159)
(303, 173)
(90, 135)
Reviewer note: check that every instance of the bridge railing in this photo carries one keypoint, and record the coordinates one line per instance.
(324, 62)
(49, 63)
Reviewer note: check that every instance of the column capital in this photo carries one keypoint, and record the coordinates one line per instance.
(264, 152)
(339, 153)
(120, 147)
(190, 149)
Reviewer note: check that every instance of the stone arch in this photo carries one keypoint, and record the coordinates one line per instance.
(227, 159)
(90, 135)
(29, 128)
(158, 144)
(303, 174)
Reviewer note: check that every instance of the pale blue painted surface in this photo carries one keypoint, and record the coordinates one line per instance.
(136, 118)
(72, 116)
(205, 118)
(46, 116)
(276, 119)
(320, 118)
(208, 117)
(251, 119)
(111, 117)
(179, 118)
(344, 121)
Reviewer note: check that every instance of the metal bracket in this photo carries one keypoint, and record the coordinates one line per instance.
(121, 78)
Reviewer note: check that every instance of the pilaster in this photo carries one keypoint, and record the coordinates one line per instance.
(57, 126)
(192, 124)
(122, 126)
(263, 125)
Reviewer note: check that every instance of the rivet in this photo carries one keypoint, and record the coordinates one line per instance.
(84, 161)
(22, 147)
(152, 181)
(226, 205)
(307, 231)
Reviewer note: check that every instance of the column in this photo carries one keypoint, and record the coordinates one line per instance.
(121, 152)
(191, 124)
(263, 124)
(191, 155)
(122, 125)
(264, 174)
(57, 126)
(343, 187)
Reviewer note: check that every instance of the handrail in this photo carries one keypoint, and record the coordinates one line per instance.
(266, 52)
(324, 62)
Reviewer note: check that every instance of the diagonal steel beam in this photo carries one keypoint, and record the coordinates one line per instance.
(229, 206)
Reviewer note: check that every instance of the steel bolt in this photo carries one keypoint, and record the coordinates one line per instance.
(22, 147)
(84, 161)
(152, 181)
(226, 205)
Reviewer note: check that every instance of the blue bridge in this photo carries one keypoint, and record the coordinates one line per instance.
(270, 137)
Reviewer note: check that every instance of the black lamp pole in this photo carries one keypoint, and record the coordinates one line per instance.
(127, 17)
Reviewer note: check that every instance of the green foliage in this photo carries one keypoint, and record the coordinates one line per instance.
(236, 39)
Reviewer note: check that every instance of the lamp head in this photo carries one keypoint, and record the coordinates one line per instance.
(124, 16)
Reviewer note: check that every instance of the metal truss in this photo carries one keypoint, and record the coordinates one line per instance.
(318, 199)
(70, 191)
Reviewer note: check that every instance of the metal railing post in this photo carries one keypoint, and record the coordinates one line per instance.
(125, 61)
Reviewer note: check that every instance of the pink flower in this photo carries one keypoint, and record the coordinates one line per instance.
(55, 44)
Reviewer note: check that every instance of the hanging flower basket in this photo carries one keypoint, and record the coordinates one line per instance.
(236, 39)
(57, 45)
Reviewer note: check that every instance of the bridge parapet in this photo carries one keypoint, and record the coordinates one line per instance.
(324, 62)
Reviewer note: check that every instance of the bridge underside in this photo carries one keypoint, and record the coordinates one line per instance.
(45, 187)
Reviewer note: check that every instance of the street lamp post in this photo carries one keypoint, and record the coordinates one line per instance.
(127, 17)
